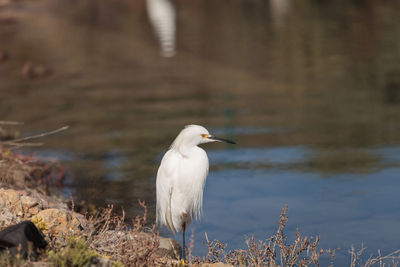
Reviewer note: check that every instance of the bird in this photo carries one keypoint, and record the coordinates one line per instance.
(180, 181)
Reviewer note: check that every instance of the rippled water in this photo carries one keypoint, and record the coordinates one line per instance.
(309, 90)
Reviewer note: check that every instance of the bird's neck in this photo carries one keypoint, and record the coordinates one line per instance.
(185, 151)
(183, 146)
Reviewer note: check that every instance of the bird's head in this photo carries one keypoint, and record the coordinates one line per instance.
(193, 135)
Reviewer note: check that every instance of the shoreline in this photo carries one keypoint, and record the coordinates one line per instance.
(104, 238)
(22, 198)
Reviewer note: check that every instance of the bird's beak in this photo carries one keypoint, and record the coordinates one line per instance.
(219, 139)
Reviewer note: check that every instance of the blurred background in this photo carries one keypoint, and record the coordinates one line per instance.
(309, 90)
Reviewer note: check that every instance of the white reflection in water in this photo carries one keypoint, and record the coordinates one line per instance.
(162, 16)
(279, 10)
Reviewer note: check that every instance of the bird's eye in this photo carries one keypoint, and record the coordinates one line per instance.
(205, 135)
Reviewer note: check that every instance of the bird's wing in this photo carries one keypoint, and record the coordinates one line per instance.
(165, 175)
(196, 169)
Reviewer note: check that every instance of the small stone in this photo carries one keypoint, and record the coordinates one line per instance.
(168, 247)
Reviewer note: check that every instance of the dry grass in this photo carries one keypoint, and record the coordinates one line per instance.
(391, 259)
(277, 251)
(132, 246)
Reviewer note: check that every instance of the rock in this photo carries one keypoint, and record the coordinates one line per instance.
(169, 247)
(59, 221)
(19, 203)
(8, 196)
(28, 202)
(7, 218)
(50, 214)
(47, 201)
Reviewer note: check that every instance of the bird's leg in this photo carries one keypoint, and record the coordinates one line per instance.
(183, 251)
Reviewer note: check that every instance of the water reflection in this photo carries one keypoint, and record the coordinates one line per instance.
(279, 12)
(248, 130)
(162, 17)
(286, 156)
(392, 89)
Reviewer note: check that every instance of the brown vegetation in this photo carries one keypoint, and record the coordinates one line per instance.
(132, 245)
(277, 251)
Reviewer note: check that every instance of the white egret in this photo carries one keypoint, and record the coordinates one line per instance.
(181, 178)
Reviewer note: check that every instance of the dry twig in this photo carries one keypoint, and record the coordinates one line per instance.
(17, 142)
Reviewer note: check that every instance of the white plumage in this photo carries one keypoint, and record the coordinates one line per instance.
(181, 178)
